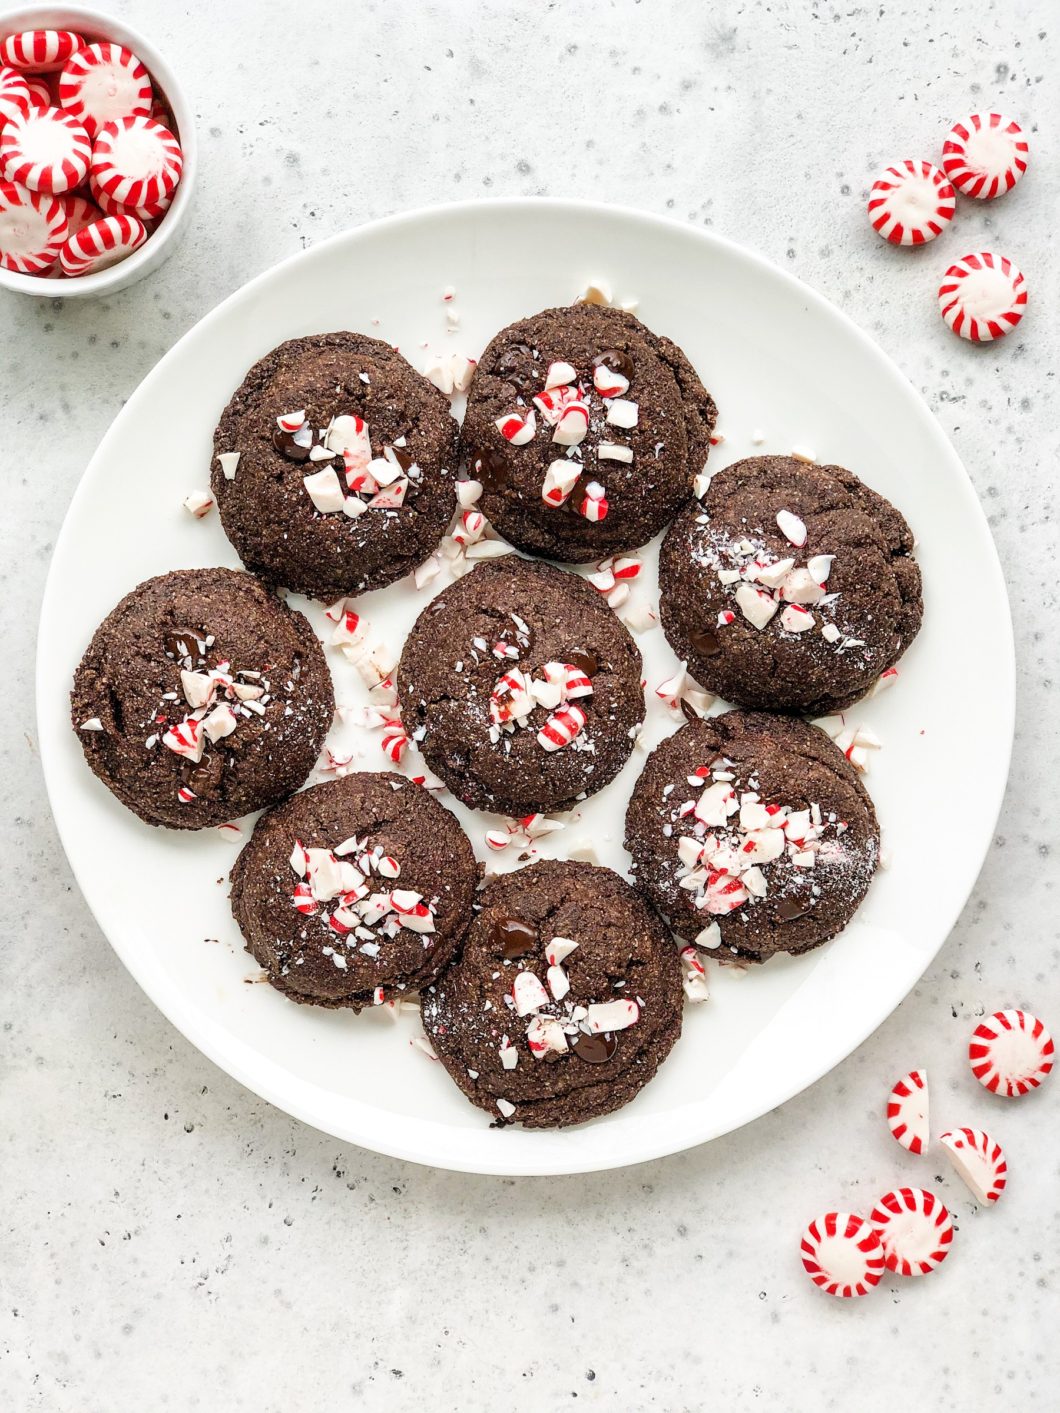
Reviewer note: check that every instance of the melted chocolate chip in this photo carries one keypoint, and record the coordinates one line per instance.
(595, 1049)
(705, 641)
(513, 938)
(205, 777)
(285, 444)
(618, 360)
(796, 905)
(182, 643)
(584, 660)
(492, 471)
(509, 366)
(688, 711)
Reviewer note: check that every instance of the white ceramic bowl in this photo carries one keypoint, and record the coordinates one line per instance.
(161, 244)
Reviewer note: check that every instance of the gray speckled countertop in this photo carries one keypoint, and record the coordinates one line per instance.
(170, 1242)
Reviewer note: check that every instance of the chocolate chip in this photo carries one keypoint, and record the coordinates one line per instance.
(513, 938)
(205, 777)
(286, 445)
(401, 456)
(512, 366)
(618, 360)
(584, 660)
(796, 905)
(181, 643)
(595, 1049)
(688, 711)
(705, 641)
(492, 471)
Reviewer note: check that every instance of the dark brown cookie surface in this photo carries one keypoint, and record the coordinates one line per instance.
(202, 697)
(633, 396)
(764, 622)
(354, 890)
(564, 1001)
(521, 688)
(752, 833)
(377, 507)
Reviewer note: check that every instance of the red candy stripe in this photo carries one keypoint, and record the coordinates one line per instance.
(907, 1111)
(46, 151)
(842, 1254)
(40, 95)
(102, 83)
(136, 162)
(103, 243)
(985, 155)
(911, 203)
(983, 296)
(979, 1161)
(14, 95)
(80, 213)
(1010, 1053)
(40, 51)
(915, 1228)
(33, 227)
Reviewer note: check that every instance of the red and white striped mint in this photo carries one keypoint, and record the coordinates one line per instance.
(911, 203)
(983, 296)
(915, 1228)
(593, 504)
(394, 742)
(606, 1017)
(39, 51)
(559, 481)
(573, 425)
(842, 1254)
(102, 244)
(517, 427)
(907, 1112)
(47, 150)
(102, 83)
(136, 162)
(985, 155)
(978, 1160)
(14, 95)
(561, 728)
(1010, 1053)
(40, 95)
(33, 227)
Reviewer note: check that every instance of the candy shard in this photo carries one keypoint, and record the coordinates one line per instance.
(907, 1112)
(1010, 1053)
(842, 1254)
(978, 1160)
(915, 1228)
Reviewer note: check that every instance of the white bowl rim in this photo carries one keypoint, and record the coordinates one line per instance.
(103, 26)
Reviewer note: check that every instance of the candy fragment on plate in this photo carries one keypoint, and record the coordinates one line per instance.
(985, 155)
(978, 1160)
(915, 1228)
(1010, 1053)
(983, 296)
(907, 1111)
(911, 203)
(842, 1254)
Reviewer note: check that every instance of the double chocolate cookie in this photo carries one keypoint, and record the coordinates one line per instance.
(201, 697)
(334, 466)
(354, 890)
(586, 430)
(790, 587)
(521, 688)
(564, 1001)
(753, 834)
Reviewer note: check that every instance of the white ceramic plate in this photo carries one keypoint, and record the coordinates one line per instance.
(777, 358)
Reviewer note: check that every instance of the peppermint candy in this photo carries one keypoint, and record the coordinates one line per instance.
(911, 203)
(103, 83)
(394, 741)
(560, 479)
(915, 1230)
(101, 244)
(40, 96)
(983, 296)
(14, 95)
(842, 1254)
(1010, 1053)
(985, 155)
(907, 1112)
(593, 504)
(561, 728)
(80, 212)
(33, 228)
(39, 51)
(136, 164)
(517, 427)
(978, 1160)
(45, 150)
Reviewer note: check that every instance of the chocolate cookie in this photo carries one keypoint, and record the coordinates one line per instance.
(202, 697)
(564, 1002)
(353, 890)
(791, 587)
(752, 833)
(586, 430)
(521, 688)
(334, 465)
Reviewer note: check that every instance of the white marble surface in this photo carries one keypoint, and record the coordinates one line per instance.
(169, 1242)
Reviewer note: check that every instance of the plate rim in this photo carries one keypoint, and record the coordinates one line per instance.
(257, 1079)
